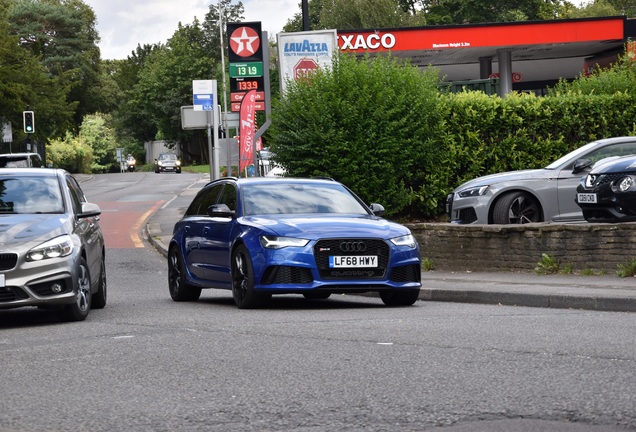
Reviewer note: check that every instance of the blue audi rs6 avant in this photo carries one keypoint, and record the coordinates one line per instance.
(264, 236)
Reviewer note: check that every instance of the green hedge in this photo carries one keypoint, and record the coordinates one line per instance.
(385, 130)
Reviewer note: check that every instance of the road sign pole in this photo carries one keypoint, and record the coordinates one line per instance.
(268, 97)
(224, 120)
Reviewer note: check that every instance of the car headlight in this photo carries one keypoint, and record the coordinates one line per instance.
(623, 184)
(473, 192)
(178, 163)
(274, 242)
(55, 248)
(407, 240)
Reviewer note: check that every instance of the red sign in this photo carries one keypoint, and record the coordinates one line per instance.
(247, 119)
(236, 106)
(304, 67)
(244, 41)
(476, 36)
(237, 97)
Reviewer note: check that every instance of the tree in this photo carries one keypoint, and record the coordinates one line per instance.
(361, 14)
(373, 116)
(24, 82)
(483, 11)
(165, 82)
(63, 35)
(295, 24)
(231, 13)
(598, 8)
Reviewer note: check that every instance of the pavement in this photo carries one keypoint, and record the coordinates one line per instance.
(564, 291)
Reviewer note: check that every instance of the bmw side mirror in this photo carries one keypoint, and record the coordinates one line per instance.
(220, 210)
(581, 165)
(89, 210)
(377, 209)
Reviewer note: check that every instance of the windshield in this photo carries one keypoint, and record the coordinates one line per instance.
(30, 195)
(299, 198)
(168, 157)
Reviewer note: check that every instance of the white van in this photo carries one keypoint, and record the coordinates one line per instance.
(20, 160)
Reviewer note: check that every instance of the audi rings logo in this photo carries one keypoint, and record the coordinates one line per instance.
(353, 246)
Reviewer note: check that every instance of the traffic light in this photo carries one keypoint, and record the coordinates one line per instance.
(29, 121)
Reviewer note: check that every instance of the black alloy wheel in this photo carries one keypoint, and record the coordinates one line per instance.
(243, 281)
(180, 290)
(98, 300)
(516, 208)
(78, 310)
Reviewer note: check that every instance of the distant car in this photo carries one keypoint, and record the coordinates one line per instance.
(52, 251)
(20, 160)
(264, 236)
(167, 162)
(608, 192)
(537, 195)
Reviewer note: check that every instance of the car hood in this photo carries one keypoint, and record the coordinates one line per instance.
(617, 165)
(334, 226)
(31, 230)
(506, 177)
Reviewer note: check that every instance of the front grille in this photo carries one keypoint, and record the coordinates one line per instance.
(407, 273)
(323, 249)
(467, 215)
(8, 261)
(287, 275)
(609, 178)
(9, 294)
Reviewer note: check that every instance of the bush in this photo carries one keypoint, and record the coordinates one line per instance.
(369, 123)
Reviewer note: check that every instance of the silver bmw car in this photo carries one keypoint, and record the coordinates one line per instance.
(52, 251)
(535, 195)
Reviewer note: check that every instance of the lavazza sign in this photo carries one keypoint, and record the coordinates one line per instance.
(372, 41)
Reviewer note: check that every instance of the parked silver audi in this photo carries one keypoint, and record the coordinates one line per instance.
(535, 195)
(52, 251)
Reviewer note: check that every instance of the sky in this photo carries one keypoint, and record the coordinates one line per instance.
(123, 24)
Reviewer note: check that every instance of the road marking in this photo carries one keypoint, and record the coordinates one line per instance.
(134, 232)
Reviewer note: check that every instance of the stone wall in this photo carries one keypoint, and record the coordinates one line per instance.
(599, 247)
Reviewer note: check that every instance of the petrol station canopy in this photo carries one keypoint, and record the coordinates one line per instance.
(527, 55)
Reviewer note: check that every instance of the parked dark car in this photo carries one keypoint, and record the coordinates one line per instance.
(264, 236)
(608, 192)
(534, 195)
(167, 162)
(52, 251)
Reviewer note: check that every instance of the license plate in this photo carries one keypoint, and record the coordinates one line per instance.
(353, 261)
(587, 198)
(2, 281)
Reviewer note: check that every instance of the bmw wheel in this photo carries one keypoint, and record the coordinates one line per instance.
(98, 300)
(516, 208)
(243, 281)
(180, 290)
(78, 311)
(400, 297)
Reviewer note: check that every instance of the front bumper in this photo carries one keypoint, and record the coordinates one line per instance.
(299, 270)
(47, 283)
(473, 210)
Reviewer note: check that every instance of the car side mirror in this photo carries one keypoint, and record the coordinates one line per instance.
(377, 209)
(220, 210)
(89, 210)
(581, 165)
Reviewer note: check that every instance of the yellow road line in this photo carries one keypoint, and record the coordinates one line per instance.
(134, 232)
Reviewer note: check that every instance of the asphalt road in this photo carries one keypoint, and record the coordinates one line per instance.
(146, 363)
